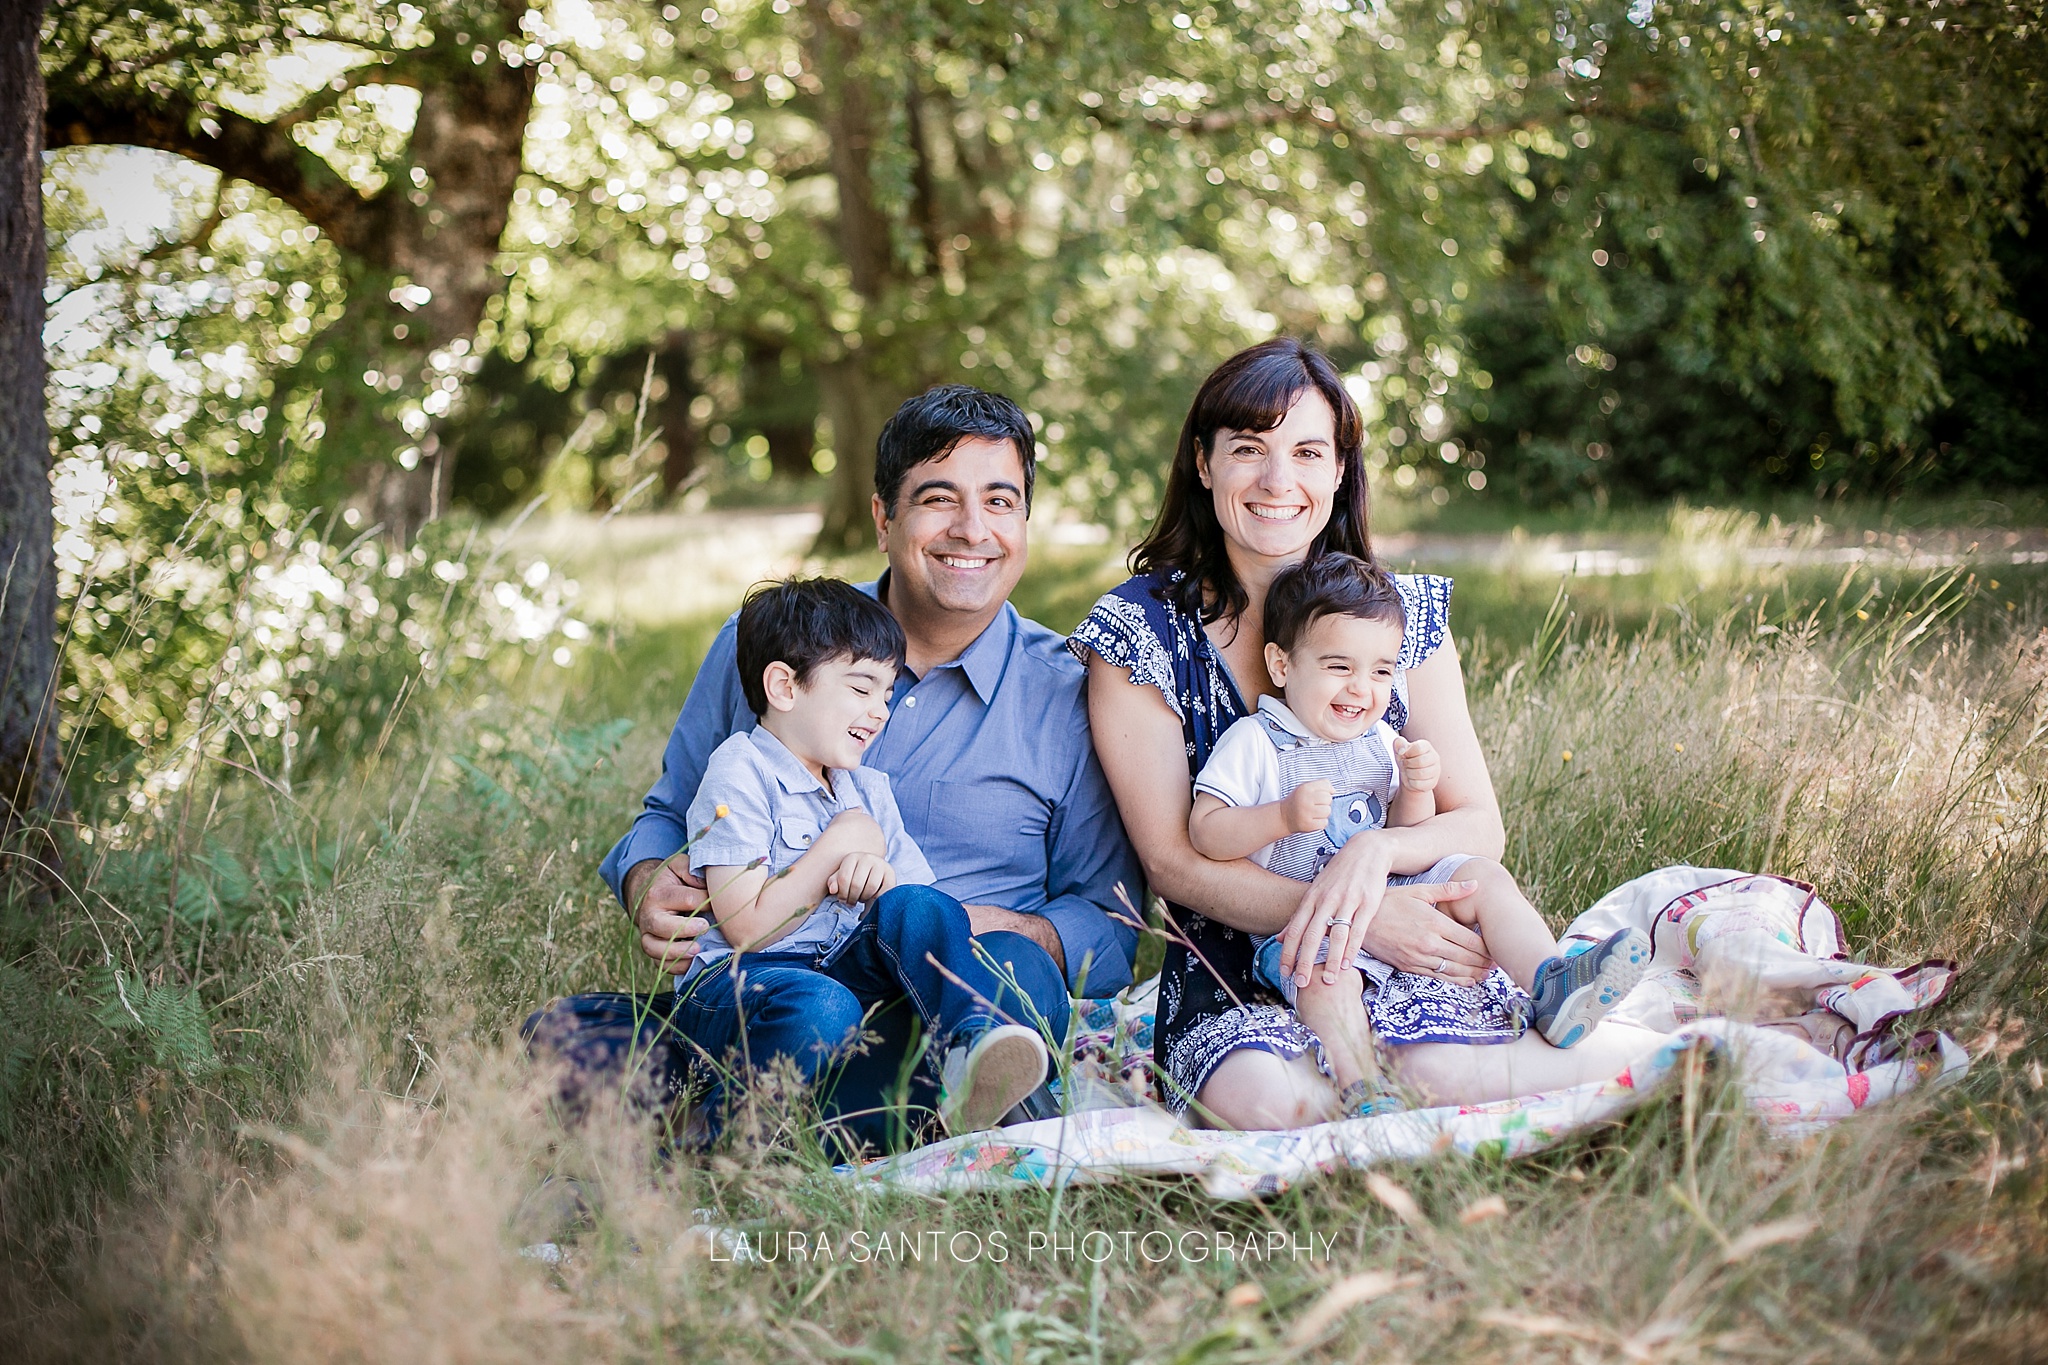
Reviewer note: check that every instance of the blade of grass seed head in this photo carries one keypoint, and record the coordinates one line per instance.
(1779, 1233)
(1484, 1208)
(1397, 1200)
(1340, 1298)
(1542, 1325)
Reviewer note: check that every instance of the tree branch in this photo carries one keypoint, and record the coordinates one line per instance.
(1328, 119)
(264, 154)
(924, 199)
(322, 102)
(200, 236)
(1389, 130)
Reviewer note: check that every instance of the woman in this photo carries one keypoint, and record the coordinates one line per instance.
(1270, 470)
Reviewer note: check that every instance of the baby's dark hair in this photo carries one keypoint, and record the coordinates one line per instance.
(1331, 584)
(804, 622)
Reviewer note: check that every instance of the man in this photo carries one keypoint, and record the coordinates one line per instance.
(987, 748)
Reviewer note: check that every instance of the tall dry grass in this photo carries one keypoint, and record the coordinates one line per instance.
(358, 1176)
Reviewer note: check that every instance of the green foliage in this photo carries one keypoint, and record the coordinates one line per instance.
(240, 326)
(1784, 230)
(1995, 433)
(1478, 209)
(170, 1019)
(511, 778)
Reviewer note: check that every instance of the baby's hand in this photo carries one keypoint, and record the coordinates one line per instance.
(860, 877)
(1308, 808)
(1420, 767)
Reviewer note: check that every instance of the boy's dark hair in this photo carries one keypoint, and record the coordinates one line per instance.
(804, 622)
(929, 425)
(1330, 584)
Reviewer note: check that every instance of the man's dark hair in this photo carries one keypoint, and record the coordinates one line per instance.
(1329, 585)
(931, 424)
(804, 622)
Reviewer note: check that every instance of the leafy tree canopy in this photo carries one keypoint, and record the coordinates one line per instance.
(426, 252)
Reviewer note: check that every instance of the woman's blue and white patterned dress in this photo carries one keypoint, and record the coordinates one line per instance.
(1210, 1002)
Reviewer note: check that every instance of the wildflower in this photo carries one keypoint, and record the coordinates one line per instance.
(721, 811)
(1567, 755)
(1678, 748)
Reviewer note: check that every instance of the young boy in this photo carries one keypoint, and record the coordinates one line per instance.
(1289, 786)
(793, 837)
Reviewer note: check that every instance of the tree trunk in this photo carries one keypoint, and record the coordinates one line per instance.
(443, 238)
(856, 396)
(781, 407)
(678, 429)
(856, 403)
(30, 785)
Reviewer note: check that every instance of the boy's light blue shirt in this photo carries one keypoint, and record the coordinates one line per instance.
(774, 809)
(995, 774)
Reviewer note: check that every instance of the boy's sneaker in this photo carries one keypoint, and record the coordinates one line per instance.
(1572, 994)
(987, 1072)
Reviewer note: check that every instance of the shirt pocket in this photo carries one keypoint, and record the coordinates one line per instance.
(982, 828)
(794, 835)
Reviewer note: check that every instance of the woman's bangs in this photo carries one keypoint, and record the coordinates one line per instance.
(1256, 398)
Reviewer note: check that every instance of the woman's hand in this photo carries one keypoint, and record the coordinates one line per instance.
(1411, 934)
(1346, 893)
(1346, 902)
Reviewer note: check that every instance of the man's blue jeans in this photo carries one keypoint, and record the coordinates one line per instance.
(882, 979)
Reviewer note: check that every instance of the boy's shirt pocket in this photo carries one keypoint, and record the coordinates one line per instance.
(794, 835)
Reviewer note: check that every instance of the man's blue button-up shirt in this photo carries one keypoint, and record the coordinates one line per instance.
(993, 770)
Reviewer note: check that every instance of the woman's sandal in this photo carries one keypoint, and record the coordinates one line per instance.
(1369, 1099)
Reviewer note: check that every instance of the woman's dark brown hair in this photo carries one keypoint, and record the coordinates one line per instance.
(1251, 391)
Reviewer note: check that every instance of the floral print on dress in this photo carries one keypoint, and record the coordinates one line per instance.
(1210, 1002)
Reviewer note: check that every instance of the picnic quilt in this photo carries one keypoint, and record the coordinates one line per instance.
(1747, 968)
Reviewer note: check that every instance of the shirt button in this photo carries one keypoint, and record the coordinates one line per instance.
(910, 701)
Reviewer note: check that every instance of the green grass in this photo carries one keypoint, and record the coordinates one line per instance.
(310, 1137)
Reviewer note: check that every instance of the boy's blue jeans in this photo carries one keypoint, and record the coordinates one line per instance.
(881, 979)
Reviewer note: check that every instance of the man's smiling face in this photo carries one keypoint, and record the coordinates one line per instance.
(955, 538)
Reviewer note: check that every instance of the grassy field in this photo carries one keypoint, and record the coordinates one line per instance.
(279, 1117)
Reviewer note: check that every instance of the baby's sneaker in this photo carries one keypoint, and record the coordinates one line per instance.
(988, 1071)
(1572, 994)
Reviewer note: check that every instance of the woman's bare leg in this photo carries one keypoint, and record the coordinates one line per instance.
(1457, 1073)
(1251, 1089)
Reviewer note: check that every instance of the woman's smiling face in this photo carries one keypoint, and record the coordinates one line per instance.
(1274, 489)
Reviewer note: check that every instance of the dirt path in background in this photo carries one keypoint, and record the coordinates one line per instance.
(1599, 556)
(667, 566)
(658, 567)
